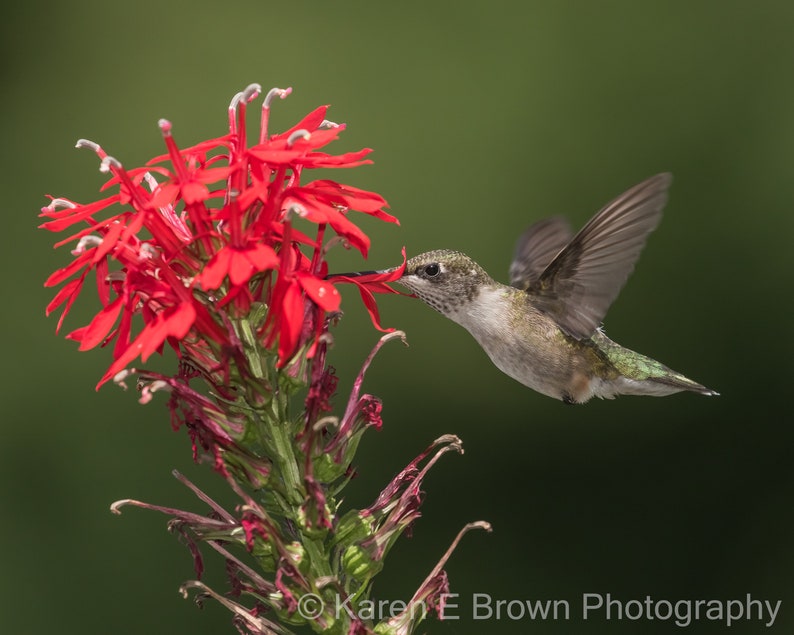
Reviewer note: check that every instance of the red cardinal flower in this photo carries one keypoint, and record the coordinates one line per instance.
(218, 251)
(204, 234)
(371, 282)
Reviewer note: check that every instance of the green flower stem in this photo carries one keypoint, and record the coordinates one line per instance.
(284, 455)
(318, 557)
(252, 348)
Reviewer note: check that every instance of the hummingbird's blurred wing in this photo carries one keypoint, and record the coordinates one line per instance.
(535, 249)
(581, 282)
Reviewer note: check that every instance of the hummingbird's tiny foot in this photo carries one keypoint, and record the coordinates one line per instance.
(567, 399)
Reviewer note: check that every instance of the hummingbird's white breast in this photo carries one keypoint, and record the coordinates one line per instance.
(520, 341)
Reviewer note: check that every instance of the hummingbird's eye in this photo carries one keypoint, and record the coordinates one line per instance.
(432, 270)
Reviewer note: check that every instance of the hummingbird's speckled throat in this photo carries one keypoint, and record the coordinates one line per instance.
(545, 329)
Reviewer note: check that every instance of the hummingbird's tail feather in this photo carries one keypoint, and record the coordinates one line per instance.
(661, 386)
(684, 383)
(641, 375)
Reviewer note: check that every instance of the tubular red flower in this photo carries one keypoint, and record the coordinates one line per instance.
(372, 282)
(206, 232)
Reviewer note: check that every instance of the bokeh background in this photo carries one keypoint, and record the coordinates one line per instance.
(484, 117)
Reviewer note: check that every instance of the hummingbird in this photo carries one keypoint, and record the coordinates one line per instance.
(544, 329)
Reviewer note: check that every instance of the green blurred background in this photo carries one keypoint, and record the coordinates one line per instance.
(484, 116)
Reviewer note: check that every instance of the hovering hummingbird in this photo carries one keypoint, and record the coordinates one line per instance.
(544, 330)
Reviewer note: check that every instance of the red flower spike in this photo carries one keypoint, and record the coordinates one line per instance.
(206, 231)
(206, 250)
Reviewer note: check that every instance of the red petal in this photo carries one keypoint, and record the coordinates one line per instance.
(77, 335)
(194, 192)
(214, 175)
(102, 284)
(76, 214)
(295, 236)
(165, 194)
(346, 160)
(318, 138)
(215, 270)
(66, 291)
(240, 268)
(310, 122)
(372, 308)
(62, 274)
(349, 230)
(353, 197)
(244, 262)
(270, 155)
(377, 282)
(238, 264)
(200, 148)
(123, 334)
(318, 211)
(291, 322)
(322, 292)
(173, 322)
(262, 257)
(109, 241)
(100, 326)
(69, 303)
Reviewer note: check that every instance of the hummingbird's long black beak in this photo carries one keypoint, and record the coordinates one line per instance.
(357, 274)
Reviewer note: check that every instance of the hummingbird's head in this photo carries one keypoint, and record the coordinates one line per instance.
(444, 279)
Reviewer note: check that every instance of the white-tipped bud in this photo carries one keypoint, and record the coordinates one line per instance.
(147, 251)
(86, 242)
(394, 335)
(120, 377)
(151, 181)
(116, 276)
(108, 163)
(325, 422)
(165, 127)
(296, 209)
(251, 92)
(148, 390)
(59, 203)
(281, 93)
(333, 241)
(235, 102)
(86, 143)
(298, 134)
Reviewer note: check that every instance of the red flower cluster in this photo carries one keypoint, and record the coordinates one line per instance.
(205, 233)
